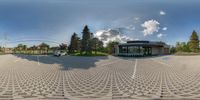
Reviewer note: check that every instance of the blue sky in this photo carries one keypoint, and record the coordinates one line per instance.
(56, 20)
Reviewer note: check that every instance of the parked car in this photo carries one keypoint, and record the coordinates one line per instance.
(60, 53)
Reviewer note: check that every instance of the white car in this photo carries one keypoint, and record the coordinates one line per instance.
(60, 53)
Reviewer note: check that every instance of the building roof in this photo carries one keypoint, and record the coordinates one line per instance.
(144, 43)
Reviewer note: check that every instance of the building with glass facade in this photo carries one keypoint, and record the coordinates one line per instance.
(141, 48)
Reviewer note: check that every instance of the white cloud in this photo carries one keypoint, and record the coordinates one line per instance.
(136, 18)
(150, 27)
(162, 13)
(111, 35)
(160, 35)
(164, 28)
(130, 27)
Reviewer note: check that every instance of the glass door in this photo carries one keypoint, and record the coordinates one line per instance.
(149, 51)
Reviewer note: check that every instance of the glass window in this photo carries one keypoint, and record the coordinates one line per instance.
(124, 49)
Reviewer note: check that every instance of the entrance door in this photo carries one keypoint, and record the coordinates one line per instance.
(147, 51)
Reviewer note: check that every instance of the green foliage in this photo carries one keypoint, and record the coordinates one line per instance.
(178, 46)
(187, 53)
(92, 54)
(96, 44)
(74, 43)
(172, 50)
(21, 48)
(42, 48)
(182, 47)
(110, 46)
(86, 41)
(194, 42)
(191, 46)
(63, 46)
(89, 45)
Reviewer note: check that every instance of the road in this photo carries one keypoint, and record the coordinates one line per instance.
(26, 77)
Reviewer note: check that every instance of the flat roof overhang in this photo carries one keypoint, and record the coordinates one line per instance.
(142, 44)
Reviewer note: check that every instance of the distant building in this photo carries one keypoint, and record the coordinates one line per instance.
(141, 48)
(7, 50)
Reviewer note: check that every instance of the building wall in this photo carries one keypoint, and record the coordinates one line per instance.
(7, 50)
(166, 51)
(153, 51)
(156, 50)
(116, 50)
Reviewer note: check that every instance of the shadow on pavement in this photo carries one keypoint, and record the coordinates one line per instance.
(66, 62)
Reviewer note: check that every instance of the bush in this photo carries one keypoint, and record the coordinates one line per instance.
(92, 54)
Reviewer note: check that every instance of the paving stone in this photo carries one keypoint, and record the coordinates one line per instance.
(108, 78)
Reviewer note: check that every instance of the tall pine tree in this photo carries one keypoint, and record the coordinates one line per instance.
(194, 42)
(74, 43)
(86, 41)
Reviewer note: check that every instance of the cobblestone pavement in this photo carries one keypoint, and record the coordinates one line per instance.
(102, 78)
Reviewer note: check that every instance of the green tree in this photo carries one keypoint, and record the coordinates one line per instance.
(19, 48)
(74, 43)
(182, 47)
(91, 43)
(110, 46)
(44, 48)
(194, 42)
(100, 46)
(33, 48)
(86, 39)
(24, 48)
(178, 46)
(185, 47)
(97, 45)
(63, 46)
(79, 45)
(172, 49)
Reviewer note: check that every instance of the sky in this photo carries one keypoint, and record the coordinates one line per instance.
(54, 21)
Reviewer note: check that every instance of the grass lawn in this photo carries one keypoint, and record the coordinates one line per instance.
(93, 54)
(187, 53)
